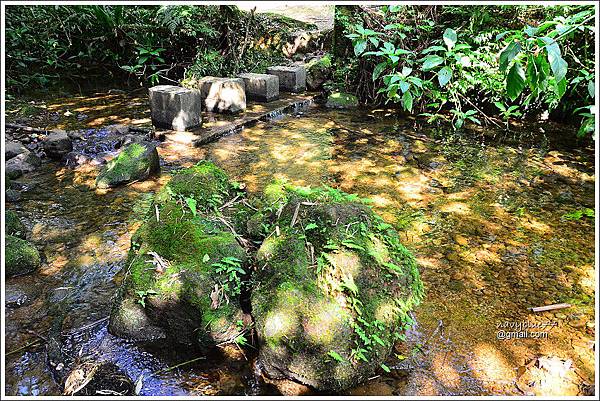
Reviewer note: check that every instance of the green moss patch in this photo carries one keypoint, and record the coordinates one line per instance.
(137, 161)
(21, 257)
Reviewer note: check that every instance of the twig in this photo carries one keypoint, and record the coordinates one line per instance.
(479, 110)
(550, 307)
(29, 344)
(231, 202)
(242, 241)
(177, 366)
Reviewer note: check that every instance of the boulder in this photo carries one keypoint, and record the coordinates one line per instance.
(22, 163)
(318, 71)
(58, 144)
(135, 162)
(334, 286)
(13, 226)
(21, 257)
(185, 267)
(291, 78)
(223, 95)
(12, 195)
(176, 108)
(261, 87)
(341, 100)
(13, 148)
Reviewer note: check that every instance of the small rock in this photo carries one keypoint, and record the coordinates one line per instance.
(23, 163)
(12, 195)
(578, 322)
(12, 149)
(460, 240)
(58, 144)
(340, 100)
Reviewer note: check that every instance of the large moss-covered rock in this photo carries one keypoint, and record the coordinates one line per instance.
(334, 287)
(13, 225)
(21, 257)
(185, 266)
(341, 100)
(137, 161)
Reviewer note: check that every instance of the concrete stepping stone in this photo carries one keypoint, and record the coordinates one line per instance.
(223, 95)
(261, 87)
(291, 78)
(176, 108)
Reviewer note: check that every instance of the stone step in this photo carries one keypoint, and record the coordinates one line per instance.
(261, 87)
(175, 107)
(291, 78)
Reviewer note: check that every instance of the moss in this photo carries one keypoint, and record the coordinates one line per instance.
(342, 281)
(321, 62)
(204, 182)
(13, 225)
(172, 257)
(135, 161)
(21, 257)
(341, 100)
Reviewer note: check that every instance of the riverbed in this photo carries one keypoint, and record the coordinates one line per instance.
(488, 214)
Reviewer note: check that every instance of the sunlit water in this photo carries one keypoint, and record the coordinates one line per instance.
(484, 220)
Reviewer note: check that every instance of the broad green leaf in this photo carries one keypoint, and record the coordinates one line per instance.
(407, 101)
(375, 41)
(334, 355)
(360, 47)
(433, 49)
(378, 70)
(432, 61)
(557, 63)
(206, 258)
(404, 86)
(406, 71)
(508, 54)
(515, 81)
(500, 106)
(561, 87)
(444, 76)
(450, 38)
(310, 226)
(385, 368)
(592, 89)
(191, 202)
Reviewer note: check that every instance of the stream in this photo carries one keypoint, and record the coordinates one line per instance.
(485, 212)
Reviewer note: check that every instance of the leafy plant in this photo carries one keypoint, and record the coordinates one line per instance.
(230, 270)
(143, 295)
(508, 112)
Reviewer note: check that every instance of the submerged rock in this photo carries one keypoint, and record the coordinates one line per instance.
(341, 100)
(136, 161)
(20, 164)
(13, 148)
(185, 267)
(58, 144)
(21, 256)
(333, 288)
(13, 225)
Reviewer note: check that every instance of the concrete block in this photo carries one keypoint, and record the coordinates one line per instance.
(176, 108)
(261, 87)
(223, 95)
(291, 78)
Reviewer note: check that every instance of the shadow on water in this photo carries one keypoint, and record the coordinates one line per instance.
(484, 218)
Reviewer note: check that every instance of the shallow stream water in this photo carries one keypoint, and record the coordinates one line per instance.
(485, 219)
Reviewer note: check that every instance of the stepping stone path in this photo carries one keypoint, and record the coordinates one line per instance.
(291, 78)
(176, 108)
(223, 95)
(261, 87)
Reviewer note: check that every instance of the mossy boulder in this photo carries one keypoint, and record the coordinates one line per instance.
(341, 100)
(318, 71)
(333, 288)
(21, 257)
(137, 161)
(13, 225)
(185, 268)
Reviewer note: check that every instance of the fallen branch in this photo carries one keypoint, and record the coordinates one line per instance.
(550, 307)
(26, 128)
(242, 241)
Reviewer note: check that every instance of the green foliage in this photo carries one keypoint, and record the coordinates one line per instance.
(443, 71)
(143, 295)
(580, 213)
(231, 272)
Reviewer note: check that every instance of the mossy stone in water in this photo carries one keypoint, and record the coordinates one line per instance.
(21, 257)
(341, 100)
(13, 225)
(184, 267)
(137, 161)
(332, 288)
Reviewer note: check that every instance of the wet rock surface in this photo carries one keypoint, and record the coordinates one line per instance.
(137, 161)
